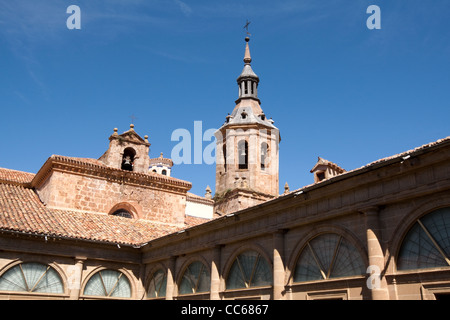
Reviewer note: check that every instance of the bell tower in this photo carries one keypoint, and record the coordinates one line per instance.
(127, 151)
(247, 149)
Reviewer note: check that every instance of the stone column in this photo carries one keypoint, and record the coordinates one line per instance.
(140, 286)
(74, 278)
(215, 273)
(278, 266)
(376, 281)
(170, 278)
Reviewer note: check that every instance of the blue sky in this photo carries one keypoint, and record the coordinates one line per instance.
(334, 88)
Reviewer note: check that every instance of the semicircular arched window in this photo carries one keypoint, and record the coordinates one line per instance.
(427, 243)
(108, 283)
(328, 256)
(122, 213)
(249, 269)
(32, 277)
(196, 279)
(158, 283)
(243, 154)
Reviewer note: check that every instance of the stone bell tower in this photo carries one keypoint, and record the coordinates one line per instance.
(127, 151)
(247, 149)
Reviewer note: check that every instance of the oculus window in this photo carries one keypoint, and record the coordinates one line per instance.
(32, 277)
(108, 283)
(427, 243)
(328, 256)
(249, 269)
(196, 279)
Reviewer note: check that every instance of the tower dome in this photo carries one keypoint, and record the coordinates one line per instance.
(161, 165)
(247, 80)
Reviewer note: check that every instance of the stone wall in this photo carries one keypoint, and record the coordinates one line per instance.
(78, 192)
(74, 185)
(372, 208)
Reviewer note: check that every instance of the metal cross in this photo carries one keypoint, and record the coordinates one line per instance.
(132, 118)
(246, 26)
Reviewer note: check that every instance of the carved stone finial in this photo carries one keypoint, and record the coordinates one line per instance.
(286, 188)
(208, 194)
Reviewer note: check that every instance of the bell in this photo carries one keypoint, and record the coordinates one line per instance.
(127, 164)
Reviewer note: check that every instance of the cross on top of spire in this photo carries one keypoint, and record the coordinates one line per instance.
(246, 27)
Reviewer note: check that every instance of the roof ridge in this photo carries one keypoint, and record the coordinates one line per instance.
(16, 176)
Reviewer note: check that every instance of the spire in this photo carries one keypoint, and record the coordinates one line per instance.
(247, 57)
(247, 80)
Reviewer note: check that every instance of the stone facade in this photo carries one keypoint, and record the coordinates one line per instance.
(377, 232)
(67, 183)
(372, 208)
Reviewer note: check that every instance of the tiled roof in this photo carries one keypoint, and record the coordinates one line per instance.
(403, 155)
(191, 221)
(21, 211)
(409, 152)
(14, 176)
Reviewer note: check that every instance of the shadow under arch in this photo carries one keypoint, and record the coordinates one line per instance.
(180, 272)
(125, 207)
(149, 274)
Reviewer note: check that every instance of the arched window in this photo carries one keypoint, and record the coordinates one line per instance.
(196, 279)
(158, 283)
(264, 155)
(224, 149)
(164, 172)
(427, 243)
(243, 154)
(32, 277)
(122, 213)
(249, 269)
(328, 256)
(108, 283)
(128, 159)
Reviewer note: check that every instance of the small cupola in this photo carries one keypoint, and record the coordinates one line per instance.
(161, 165)
(247, 80)
(325, 169)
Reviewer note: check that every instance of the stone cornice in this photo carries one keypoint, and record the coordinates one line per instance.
(198, 199)
(79, 167)
(281, 207)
